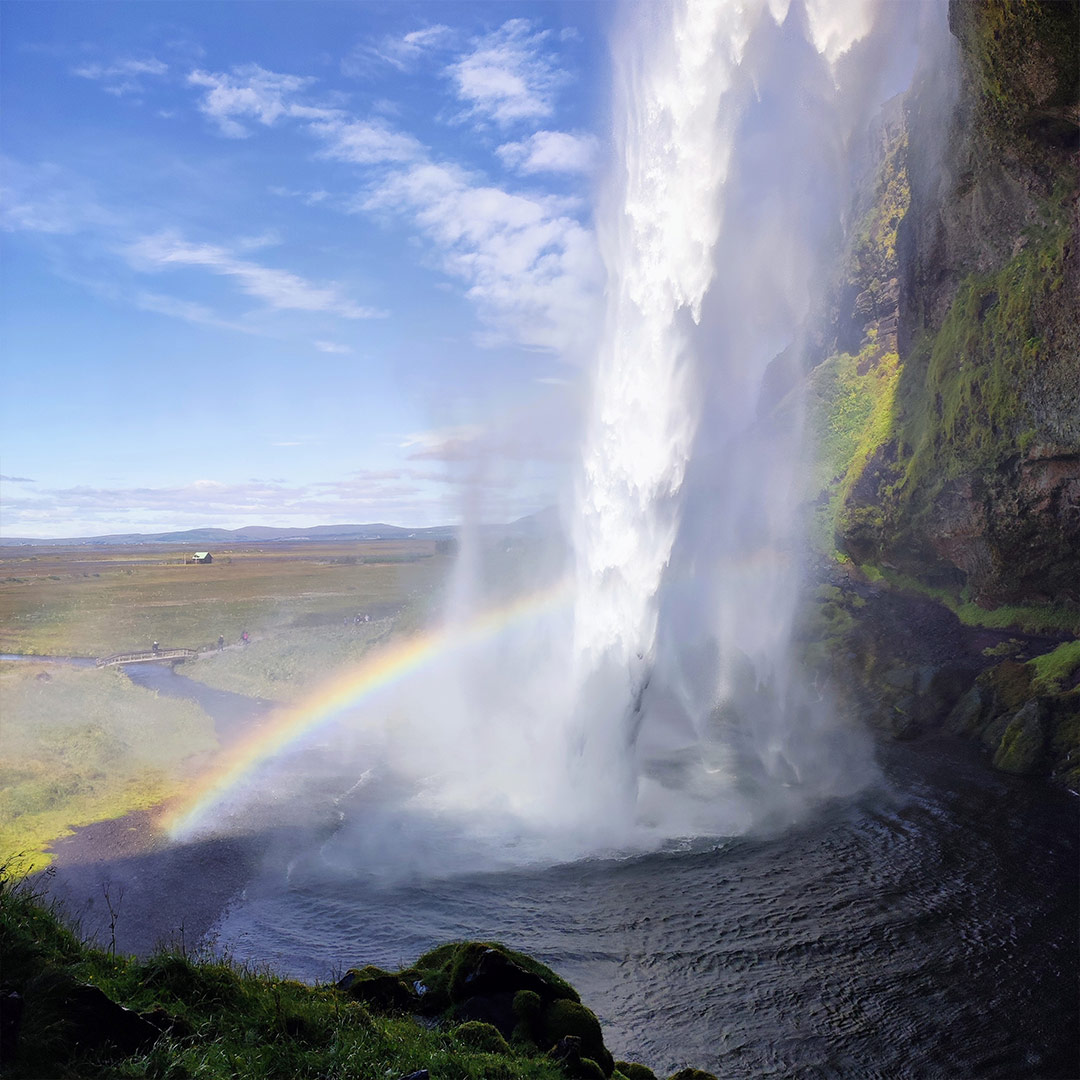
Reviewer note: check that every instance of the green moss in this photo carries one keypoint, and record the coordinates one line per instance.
(226, 1022)
(1022, 744)
(633, 1071)
(1021, 55)
(481, 1036)
(562, 1018)
(1052, 670)
(849, 409)
(1031, 618)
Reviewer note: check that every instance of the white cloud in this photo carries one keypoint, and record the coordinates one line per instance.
(122, 76)
(188, 311)
(279, 289)
(509, 76)
(403, 52)
(332, 347)
(550, 151)
(531, 269)
(44, 199)
(85, 509)
(252, 92)
(444, 444)
(366, 143)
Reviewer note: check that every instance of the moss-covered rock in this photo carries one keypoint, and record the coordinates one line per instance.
(481, 1036)
(1023, 742)
(468, 969)
(380, 990)
(570, 1018)
(632, 1070)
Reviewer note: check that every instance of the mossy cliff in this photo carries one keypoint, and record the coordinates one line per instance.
(945, 391)
(467, 1011)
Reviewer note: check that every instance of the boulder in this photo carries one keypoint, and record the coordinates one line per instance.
(1023, 743)
(379, 990)
(87, 1017)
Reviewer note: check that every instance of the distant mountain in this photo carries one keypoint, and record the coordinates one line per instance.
(204, 537)
(531, 525)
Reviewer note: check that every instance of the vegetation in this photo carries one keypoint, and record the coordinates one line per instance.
(1052, 672)
(203, 1016)
(82, 745)
(287, 664)
(82, 601)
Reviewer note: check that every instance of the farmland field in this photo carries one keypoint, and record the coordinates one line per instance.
(87, 600)
(79, 744)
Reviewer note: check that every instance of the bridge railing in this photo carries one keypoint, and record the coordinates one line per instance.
(146, 656)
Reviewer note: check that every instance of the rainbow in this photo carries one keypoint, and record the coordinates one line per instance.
(383, 668)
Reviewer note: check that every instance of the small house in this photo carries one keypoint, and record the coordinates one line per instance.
(202, 556)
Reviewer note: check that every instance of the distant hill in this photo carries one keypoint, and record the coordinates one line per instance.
(197, 538)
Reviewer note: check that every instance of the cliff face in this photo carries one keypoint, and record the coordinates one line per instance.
(974, 480)
(946, 396)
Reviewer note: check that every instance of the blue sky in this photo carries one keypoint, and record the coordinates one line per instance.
(295, 263)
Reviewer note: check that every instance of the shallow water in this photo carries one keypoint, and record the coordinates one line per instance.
(927, 928)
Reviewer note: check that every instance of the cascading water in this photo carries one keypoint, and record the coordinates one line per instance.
(658, 701)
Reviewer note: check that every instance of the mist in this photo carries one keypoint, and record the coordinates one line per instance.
(644, 692)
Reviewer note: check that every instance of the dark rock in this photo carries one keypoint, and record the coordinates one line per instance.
(86, 1017)
(496, 973)
(494, 1009)
(970, 712)
(692, 1074)
(378, 989)
(11, 1012)
(1023, 742)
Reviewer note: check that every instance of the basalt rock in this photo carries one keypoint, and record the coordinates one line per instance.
(83, 1016)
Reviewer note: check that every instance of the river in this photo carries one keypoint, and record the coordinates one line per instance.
(925, 928)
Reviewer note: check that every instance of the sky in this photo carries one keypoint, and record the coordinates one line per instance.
(295, 263)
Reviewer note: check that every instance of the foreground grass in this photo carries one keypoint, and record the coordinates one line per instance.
(211, 1019)
(82, 745)
(288, 664)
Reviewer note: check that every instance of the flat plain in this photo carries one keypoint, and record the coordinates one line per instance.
(93, 601)
(84, 744)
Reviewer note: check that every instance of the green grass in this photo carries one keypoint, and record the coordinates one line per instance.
(84, 745)
(95, 602)
(228, 1022)
(1053, 669)
(849, 413)
(287, 664)
(1031, 618)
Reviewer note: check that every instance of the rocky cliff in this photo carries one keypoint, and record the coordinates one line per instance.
(945, 394)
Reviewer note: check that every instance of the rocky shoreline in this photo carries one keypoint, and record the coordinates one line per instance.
(908, 666)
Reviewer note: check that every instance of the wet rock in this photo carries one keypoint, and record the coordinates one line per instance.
(1023, 742)
(970, 712)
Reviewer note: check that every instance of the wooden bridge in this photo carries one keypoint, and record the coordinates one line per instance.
(150, 656)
